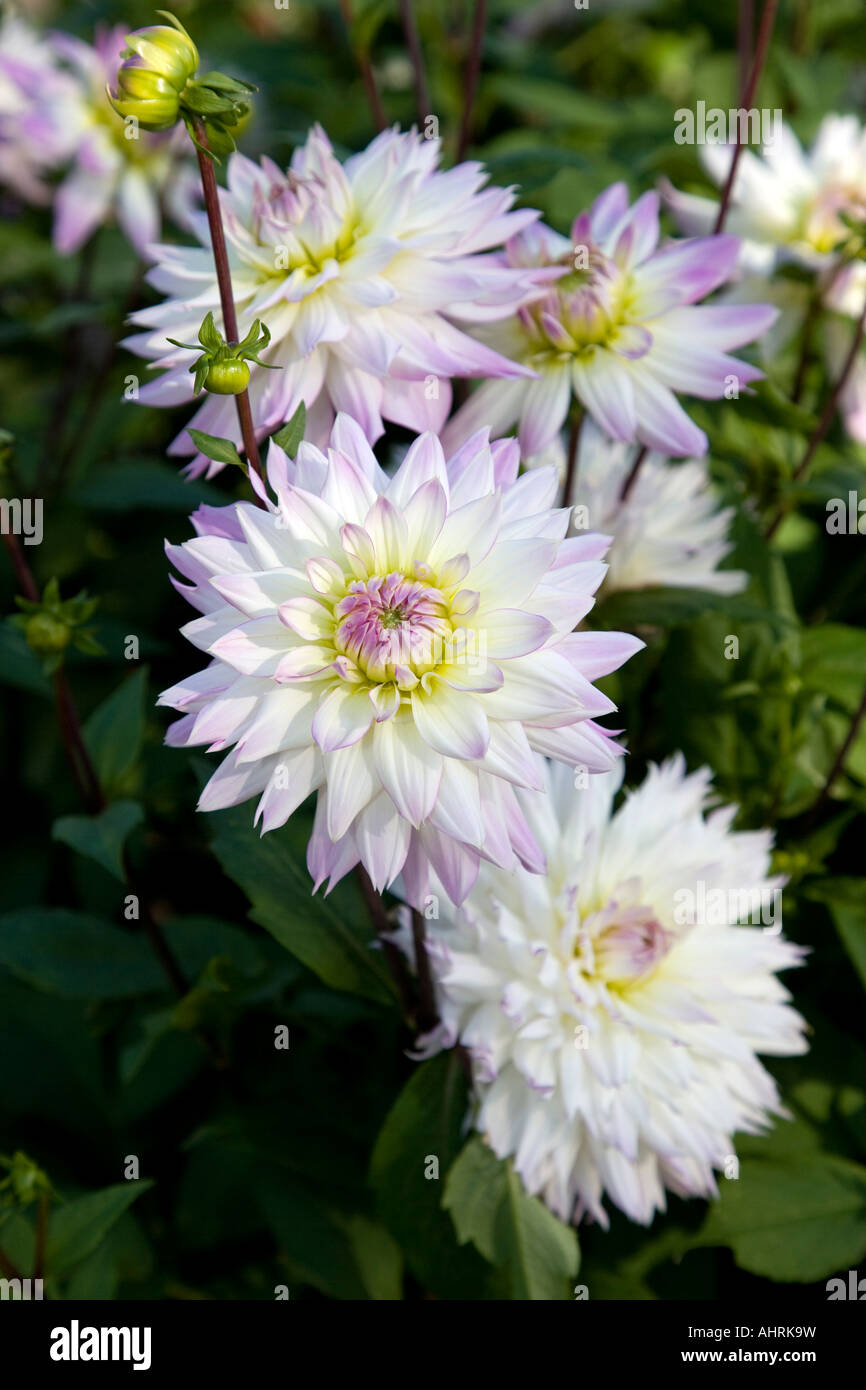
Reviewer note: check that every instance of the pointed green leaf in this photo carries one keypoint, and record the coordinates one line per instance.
(221, 450)
(491, 1208)
(290, 436)
(100, 837)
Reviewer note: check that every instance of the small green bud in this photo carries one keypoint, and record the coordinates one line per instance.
(222, 367)
(46, 635)
(227, 378)
(26, 1182)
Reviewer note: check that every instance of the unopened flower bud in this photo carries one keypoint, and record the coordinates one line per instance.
(158, 113)
(134, 79)
(157, 64)
(46, 635)
(169, 52)
(228, 377)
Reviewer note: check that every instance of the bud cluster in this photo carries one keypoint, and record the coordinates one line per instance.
(157, 86)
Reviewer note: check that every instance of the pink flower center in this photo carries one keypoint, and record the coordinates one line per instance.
(628, 943)
(581, 311)
(394, 628)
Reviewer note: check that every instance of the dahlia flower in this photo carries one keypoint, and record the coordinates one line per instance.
(359, 271)
(113, 176)
(788, 206)
(613, 1009)
(400, 646)
(35, 97)
(669, 530)
(620, 330)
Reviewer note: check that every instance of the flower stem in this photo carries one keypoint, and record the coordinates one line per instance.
(413, 43)
(41, 1236)
(224, 279)
(366, 69)
(745, 39)
(67, 715)
(811, 816)
(393, 955)
(472, 73)
(768, 19)
(427, 1015)
(8, 1269)
(632, 477)
(77, 754)
(571, 461)
(827, 417)
(839, 760)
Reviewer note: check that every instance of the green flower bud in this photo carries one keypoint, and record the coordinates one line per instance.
(158, 113)
(46, 635)
(169, 52)
(227, 378)
(137, 81)
(222, 367)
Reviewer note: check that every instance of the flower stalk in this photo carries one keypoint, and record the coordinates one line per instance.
(768, 19)
(472, 74)
(826, 418)
(224, 279)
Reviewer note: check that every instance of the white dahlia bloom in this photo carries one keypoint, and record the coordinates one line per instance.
(788, 206)
(400, 646)
(613, 1010)
(786, 203)
(359, 271)
(670, 530)
(619, 330)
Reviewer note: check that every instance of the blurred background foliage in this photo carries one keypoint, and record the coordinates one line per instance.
(303, 1165)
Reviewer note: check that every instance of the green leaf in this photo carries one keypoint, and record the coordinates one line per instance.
(291, 434)
(213, 447)
(19, 666)
(834, 662)
(136, 484)
(377, 1257)
(792, 1221)
(768, 405)
(124, 1254)
(846, 899)
(77, 956)
(415, 1148)
(343, 1257)
(666, 607)
(76, 1229)
(275, 879)
(100, 837)
(115, 731)
(59, 1077)
(221, 82)
(490, 1207)
(205, 102)
(556, 102)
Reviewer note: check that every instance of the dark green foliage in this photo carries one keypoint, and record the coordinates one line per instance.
(280, 1135)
